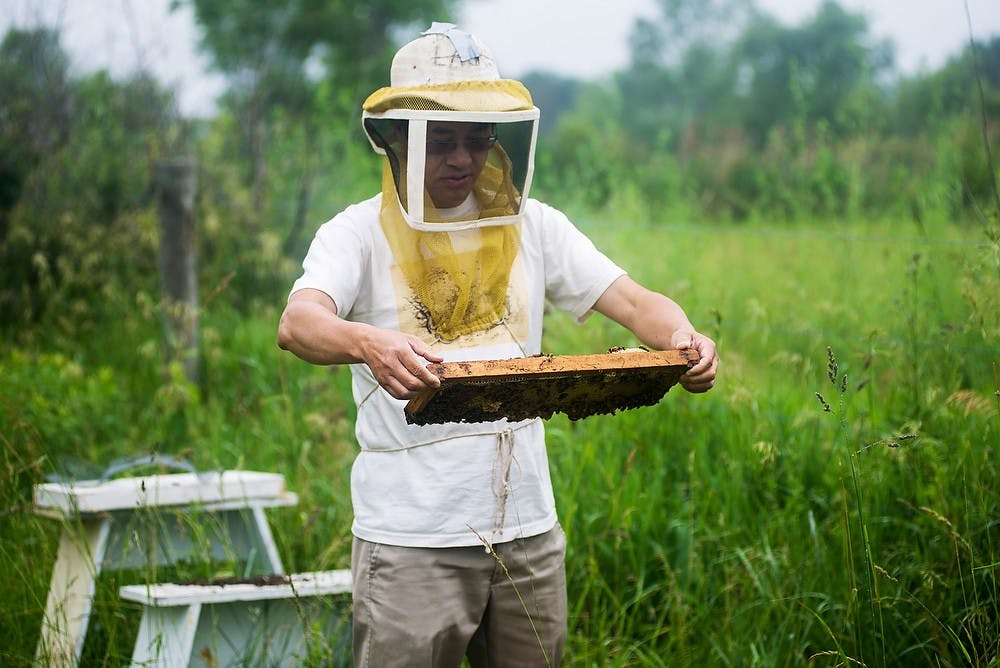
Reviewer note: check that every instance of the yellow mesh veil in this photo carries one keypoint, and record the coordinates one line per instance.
(460, 292)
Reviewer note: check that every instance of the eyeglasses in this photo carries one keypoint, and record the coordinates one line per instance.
(471, 144)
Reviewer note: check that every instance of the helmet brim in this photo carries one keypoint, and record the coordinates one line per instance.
(472, 95)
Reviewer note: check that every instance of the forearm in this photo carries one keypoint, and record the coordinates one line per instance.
(660, 323)
(654, 318)
(311, 329)
(316, 334)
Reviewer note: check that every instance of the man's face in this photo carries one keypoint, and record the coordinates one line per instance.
(456, 153)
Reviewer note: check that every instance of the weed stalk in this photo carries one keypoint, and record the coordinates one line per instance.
(839, 383)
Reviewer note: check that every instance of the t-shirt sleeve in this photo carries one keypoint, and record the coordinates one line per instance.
(576, 273)
(335, 263)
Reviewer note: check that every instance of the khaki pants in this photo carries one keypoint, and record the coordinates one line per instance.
(429, 607)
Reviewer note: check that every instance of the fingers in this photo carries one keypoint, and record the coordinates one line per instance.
(402, 384)
(698, 383)
(416, 365)
(425, 351)
(700, 377)
(399, 365)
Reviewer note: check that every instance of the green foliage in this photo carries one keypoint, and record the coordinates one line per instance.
(924, 100)
(298, 70)
(79, 221)
(34, 112)
(726, 113)
(554, 94)
(747, 522)
(749, 525)
(808, 73)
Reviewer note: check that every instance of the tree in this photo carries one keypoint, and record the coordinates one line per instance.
(554, 95)
(277, 54)
(35, 109)
(922, 101)
(72, 195)
(822, 70)
(680, 75)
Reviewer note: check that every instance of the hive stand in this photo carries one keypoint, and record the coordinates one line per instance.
(269, 623)
(132, 522)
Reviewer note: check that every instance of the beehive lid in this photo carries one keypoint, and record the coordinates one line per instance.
(523, 388)
(240, 488)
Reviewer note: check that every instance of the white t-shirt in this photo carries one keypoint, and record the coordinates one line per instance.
(441, 485)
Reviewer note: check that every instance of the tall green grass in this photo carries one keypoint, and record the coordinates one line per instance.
(758, 524)
(751, 526)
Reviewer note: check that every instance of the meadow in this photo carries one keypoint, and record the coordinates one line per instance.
(833, 501)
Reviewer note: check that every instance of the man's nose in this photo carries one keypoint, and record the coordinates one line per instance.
(461, 156)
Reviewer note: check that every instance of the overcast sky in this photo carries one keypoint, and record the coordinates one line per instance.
(583, 38)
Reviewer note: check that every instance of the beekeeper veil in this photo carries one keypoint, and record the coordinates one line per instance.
(447, 105)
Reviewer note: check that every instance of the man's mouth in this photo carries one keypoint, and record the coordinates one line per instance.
(456, 181)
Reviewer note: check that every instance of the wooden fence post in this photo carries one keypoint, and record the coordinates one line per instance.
(176, 186)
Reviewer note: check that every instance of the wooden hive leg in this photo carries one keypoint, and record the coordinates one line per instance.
(267, 541)
(166, 636)
(71, 592)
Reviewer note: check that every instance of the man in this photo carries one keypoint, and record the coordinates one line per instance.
(452, 261)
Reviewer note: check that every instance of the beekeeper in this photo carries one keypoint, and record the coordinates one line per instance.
(457, 548)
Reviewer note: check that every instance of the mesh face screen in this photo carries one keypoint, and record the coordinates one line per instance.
(499, 186)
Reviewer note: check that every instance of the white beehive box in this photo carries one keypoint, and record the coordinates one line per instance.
(175, 489)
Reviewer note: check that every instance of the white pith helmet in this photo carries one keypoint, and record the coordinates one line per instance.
(449, 75)
(442, 54)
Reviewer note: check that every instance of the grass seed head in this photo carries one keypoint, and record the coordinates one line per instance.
(832, 370)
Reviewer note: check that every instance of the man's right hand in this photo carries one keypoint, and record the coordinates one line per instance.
(311, 329)
(399, 362)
